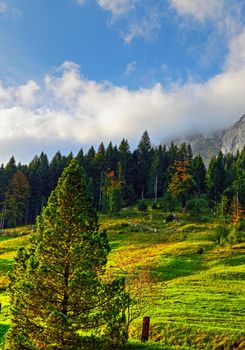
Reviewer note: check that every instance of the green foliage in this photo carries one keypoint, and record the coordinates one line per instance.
(115, 199)
(221, 233)
(142, 206)
(56, 288)
(154, 206)
(17, 196)
(168, 202)
(198, 205)
(182, 183)
(144, 157)
(112, 196)
(194, 296)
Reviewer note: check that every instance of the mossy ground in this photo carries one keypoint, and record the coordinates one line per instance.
(197, 298)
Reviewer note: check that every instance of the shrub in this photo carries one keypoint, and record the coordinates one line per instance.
(198, 205)
(154, 206)
(142, 206)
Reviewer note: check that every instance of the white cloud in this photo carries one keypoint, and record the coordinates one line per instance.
(225, 14)
(140, 19)
(199, 9)
(130, 68)
(3, 7)
(225, 18)
(144, 27)
(236, 59)
(76, 111)
(117, 7)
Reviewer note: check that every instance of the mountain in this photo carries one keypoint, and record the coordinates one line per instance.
(234, 137)
(208, 145)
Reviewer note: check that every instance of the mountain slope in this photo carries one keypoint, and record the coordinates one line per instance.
(208, 145)
(234, 137)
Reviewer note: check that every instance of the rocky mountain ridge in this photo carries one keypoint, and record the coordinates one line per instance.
(228, 141)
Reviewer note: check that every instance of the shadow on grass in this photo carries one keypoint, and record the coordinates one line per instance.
(5, 266)
(234, 260)
(172, 267)
(3, 331)
(144, 346)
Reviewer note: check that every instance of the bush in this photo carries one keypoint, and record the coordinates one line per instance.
(221, 233)
(168, 203)
(154, 206)
(200, 250)
(142, 206)
(198, 205)
(171, 217)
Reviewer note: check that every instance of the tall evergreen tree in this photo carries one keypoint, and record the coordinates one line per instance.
(16, 198)
(56, 288)
(144, 155)
(10, 168)
(199, 174)
(216, 177)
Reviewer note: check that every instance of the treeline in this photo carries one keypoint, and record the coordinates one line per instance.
(118, 176)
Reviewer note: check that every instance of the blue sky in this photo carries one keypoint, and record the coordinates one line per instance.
(76, 72)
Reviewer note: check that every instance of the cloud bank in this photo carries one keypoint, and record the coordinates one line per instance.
(66, 111)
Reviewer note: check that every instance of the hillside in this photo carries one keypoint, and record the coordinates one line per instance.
(208, 145)
(192, 288)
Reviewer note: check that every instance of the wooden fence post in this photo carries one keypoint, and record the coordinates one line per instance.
(145, 329)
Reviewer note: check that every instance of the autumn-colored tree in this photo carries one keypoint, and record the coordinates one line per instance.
(112, 193)
(182, 182)
(237, 213)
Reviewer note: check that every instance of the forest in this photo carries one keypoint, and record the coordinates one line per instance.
(118, 177)
(89, 244)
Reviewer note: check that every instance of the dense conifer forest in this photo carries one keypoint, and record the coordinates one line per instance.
(118, 176)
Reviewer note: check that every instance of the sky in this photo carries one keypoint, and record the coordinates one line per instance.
(74, 73)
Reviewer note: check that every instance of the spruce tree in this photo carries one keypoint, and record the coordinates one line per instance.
(56, 287)
(144, 155)
(16, 199)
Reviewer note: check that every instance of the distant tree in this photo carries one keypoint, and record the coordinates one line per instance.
(164, 163)
(112, 193)
(216, 178)
(56, 288)
(56, 167)
(222, 228)
(3, 182)
(185, 153)
(111, 157)
(44, 177)
(144, 157)
(16, 198)
(198, 205)
(80, 157)
(181, 184)
(237, 213)
(142, 207)
(199, 174)
(10, 168)
(124, 156)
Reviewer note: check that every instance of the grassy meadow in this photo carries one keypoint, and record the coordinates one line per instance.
(192, 288)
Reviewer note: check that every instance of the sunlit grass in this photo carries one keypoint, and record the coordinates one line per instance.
(197, 299)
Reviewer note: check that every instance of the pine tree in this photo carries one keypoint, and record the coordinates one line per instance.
(16, 199)
(199, 174)
(56, 288)
(216, 177)
(144, 155)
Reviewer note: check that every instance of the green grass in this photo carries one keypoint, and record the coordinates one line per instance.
(196, 300)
